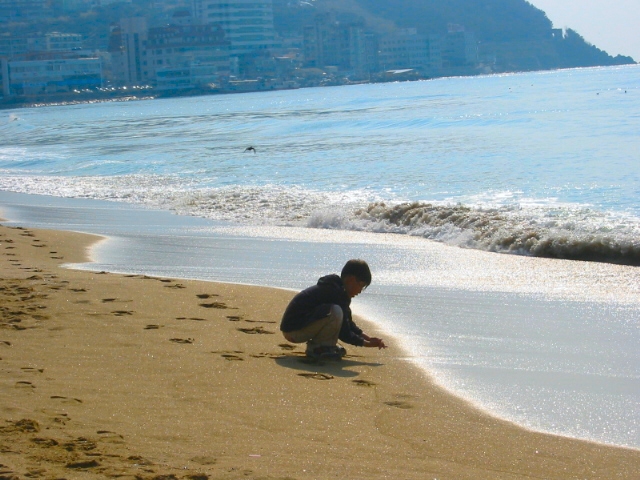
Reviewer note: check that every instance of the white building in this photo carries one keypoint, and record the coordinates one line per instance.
(32, 77)
(62, 42)
(248, 24)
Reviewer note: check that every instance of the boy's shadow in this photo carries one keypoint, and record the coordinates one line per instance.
(323, 367)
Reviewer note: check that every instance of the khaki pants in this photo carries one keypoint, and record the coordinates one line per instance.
(320, 333)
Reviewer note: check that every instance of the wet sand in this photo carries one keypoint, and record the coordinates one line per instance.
(107, 375)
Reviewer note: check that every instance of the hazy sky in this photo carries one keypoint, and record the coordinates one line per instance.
(611, 25)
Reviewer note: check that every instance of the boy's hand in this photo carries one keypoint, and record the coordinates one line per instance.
(376, 342)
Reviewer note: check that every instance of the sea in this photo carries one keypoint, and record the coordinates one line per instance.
(499, 215)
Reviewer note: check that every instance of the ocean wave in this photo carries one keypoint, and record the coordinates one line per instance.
(572, 233)
(539, 229)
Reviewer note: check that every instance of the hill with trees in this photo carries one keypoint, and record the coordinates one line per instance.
(513, 34)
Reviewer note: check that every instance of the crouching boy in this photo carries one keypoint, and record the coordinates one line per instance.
(321, 314)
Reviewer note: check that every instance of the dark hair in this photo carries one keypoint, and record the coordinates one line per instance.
(357, 268)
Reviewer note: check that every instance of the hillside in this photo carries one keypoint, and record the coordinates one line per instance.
(513, 33)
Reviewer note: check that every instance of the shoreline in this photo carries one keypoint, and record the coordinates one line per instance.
(519, 409)
(183, 377)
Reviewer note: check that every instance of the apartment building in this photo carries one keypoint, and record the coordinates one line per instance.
(328, 43)
(187, 56)
(248, 24)
(460, 48)
(128, 49)
(407, 48)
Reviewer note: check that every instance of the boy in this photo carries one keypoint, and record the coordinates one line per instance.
(320, 315)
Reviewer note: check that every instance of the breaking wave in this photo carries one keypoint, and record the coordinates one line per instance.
(550, 230)
(570, 233)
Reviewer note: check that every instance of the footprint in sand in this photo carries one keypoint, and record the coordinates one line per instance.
(32, 370)
(268, 355)
(182, 340)
(398, 404)
(23, 384)
(219, 305)
(204, 460)
(287, 346)
(195, 319)
(177, 285)
(234, 318)
(66, 400)
(83, 464)
(122, 313)
(110, 437)
(152, 327)
(26, 425)
(232, 357)
(45, 442)
(316, 376)
(139, 461)
(255, 330)
(204, 296)
(364, 383)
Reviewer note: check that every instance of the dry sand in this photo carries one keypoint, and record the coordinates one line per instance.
(107, 376)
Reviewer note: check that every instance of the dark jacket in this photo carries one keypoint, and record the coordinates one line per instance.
(315, 303)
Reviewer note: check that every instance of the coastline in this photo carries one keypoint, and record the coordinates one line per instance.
(126, 375)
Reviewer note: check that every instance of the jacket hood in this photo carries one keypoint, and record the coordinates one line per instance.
(333, 280)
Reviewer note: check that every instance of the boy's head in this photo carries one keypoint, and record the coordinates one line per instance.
(359, 270)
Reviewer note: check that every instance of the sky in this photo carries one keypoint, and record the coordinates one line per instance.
(610, 25)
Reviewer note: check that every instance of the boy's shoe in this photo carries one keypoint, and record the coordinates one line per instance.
(326, 353)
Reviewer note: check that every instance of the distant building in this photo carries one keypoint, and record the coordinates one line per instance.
(248, 24)
(348, 47)
(403, 49)
(128, 49)
(13, 46)
(60, 42)
(460, 48)
(187, 56)
(33, 77)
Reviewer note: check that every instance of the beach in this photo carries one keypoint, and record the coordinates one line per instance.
(133, 376)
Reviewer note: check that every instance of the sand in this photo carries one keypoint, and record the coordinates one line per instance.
(115, 376)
